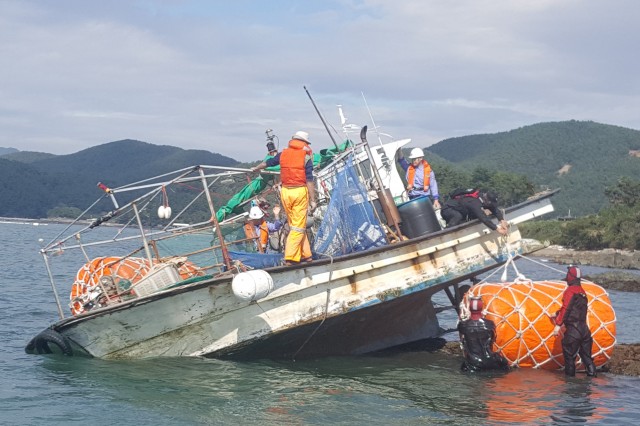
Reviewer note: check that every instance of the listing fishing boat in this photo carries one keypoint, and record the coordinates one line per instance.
(198, 290)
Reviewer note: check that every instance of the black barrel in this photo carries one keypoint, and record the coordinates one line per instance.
(418, 217)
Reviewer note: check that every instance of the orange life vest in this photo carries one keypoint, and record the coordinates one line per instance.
(263, 238)
(292, 163)
(411, 174)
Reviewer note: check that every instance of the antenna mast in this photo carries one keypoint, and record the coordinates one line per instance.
(371, 116)
(321, 118)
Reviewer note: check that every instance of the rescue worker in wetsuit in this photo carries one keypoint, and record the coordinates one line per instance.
(297, 194)
(421, 180)
(577, 338)
(469, 204)
(477, 335)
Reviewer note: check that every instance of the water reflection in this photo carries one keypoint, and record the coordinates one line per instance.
(537, 396)
(400, 388)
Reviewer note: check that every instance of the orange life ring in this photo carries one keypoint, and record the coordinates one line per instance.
(524, 328)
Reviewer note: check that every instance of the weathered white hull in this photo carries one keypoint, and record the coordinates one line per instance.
(352, 304)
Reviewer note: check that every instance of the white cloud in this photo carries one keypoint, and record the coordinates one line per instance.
(209, 75)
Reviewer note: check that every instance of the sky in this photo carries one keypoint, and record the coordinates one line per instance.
(215, 75)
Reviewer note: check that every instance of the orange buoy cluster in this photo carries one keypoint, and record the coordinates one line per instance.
(522, 314)
(122, 273)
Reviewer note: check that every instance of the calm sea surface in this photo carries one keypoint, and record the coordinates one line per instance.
(397, 388)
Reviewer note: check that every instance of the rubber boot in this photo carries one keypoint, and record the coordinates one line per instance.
(591, 368)
(570, 368)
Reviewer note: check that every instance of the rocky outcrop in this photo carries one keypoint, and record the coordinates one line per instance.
(607, 258)
(620, 281)
(625, 359)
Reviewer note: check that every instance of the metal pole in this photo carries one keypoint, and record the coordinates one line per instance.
(55, 293)
(390, 211)
(142, 234)
(214, 219)
(321, 118)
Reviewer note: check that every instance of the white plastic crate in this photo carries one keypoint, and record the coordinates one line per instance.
(160, 277)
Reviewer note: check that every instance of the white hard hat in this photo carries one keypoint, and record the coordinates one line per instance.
(416, 153)
(300, 135)
(256, 213)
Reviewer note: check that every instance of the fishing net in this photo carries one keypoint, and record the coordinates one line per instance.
(349, 223)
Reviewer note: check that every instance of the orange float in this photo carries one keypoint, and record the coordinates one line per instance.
(122, 273)
(522, 314)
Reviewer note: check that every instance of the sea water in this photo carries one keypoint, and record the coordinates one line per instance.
(408, 387)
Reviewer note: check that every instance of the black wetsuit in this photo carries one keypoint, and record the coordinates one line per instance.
(458, 210)
(477, 337)
(577, 338)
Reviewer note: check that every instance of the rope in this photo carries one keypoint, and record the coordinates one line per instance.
(326, 310)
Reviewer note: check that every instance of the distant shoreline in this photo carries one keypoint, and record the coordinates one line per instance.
(27, 221)
(606, 258)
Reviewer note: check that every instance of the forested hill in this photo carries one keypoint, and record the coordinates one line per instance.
(580, 157)
(32, 189)
(4, 151)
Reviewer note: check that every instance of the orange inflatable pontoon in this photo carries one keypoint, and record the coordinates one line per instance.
(131, 269)
(522, 314)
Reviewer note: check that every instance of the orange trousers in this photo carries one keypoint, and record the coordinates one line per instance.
(296, 202)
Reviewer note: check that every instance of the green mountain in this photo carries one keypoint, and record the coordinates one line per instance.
(27, 156)
(5, 151)
(581, 158)
(23, 190)
(31, 190)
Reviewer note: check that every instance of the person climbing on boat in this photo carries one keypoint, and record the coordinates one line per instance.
(298, 194)
(259, 229)
(469, 204)
(577, 339)
(421, 180)
(477, 336)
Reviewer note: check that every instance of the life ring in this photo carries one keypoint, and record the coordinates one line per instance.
(46, 341)
(522, 314)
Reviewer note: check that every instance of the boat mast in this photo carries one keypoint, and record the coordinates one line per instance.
(321, 117)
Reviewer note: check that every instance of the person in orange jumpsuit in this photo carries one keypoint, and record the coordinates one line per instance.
(577, 338)
(297, 194)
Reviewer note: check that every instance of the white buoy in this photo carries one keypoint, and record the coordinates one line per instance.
(167, 212)
(161, 212)
(252, 285)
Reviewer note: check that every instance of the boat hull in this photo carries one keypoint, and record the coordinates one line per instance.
(353, 304)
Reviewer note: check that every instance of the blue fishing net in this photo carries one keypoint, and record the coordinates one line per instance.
(349, 224)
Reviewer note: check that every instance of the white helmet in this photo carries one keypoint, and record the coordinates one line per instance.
(256, 213)
(416, 153)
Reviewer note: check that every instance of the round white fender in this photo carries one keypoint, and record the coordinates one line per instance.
(161, 212)
(252, 285)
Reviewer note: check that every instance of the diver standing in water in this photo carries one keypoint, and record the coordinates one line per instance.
(477, 335)
(577, 339)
